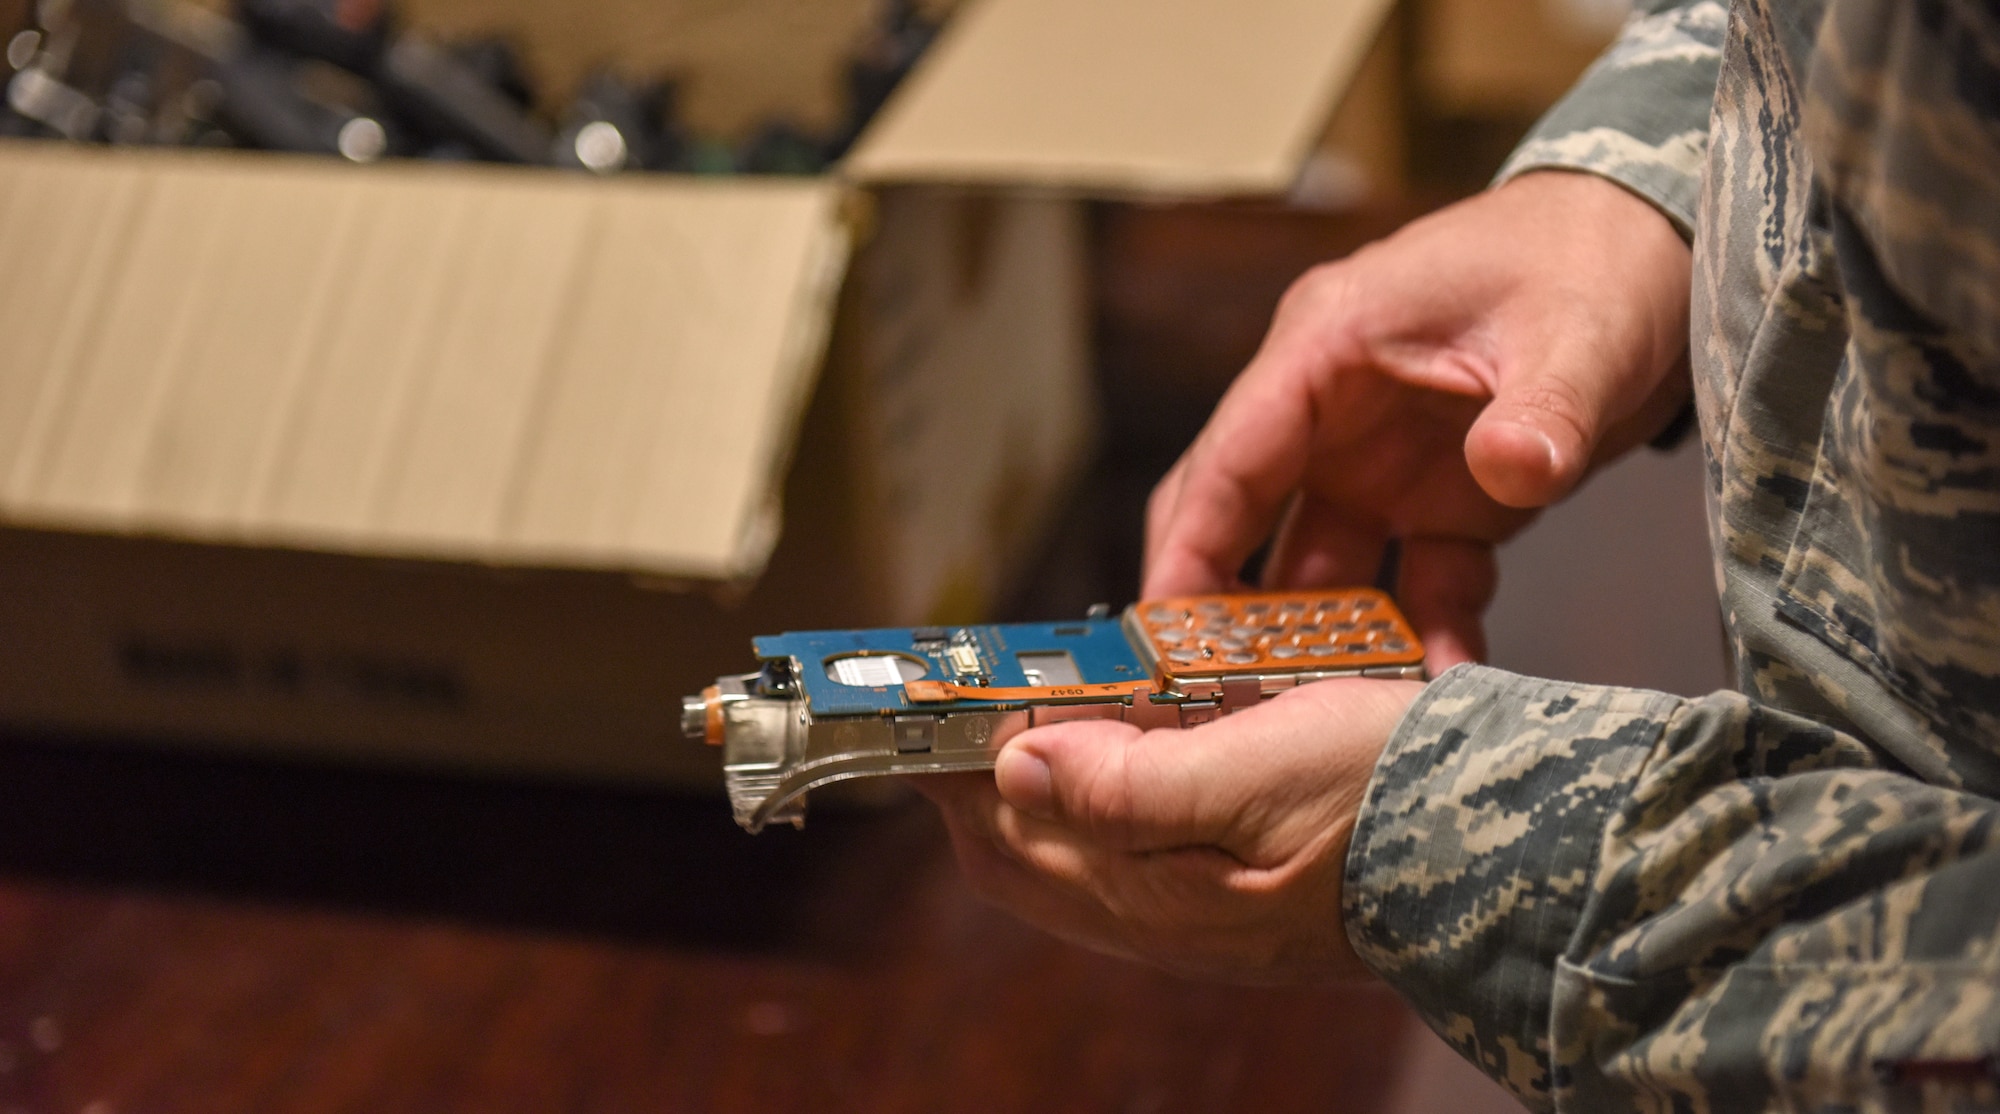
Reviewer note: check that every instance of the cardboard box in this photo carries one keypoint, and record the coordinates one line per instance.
(481, 467)
(1508, 59)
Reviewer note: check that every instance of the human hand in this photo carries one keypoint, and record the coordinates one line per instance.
(1216, 851)
(1435, 387)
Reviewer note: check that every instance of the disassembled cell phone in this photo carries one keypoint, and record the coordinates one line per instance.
(828, 706)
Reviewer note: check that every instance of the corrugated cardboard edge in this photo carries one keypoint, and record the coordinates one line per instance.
(887, 155)
(805, 352)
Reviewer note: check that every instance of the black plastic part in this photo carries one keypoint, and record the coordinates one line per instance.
(1390, 572)
(497, 62)
(782, 147)
(263, 107)
(260, 108)
(352, 34)
(1677, 430)
(447, 99)
(899, 39)
(777, 679)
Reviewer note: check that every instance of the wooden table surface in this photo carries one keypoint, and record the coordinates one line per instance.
(187, 934)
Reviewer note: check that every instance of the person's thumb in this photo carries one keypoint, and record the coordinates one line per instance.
(1533, 443)
(1122, 788)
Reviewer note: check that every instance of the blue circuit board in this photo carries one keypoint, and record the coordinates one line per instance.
(1097, 649)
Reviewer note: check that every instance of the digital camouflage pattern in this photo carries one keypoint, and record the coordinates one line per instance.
(1787, 897)
(1640, 116)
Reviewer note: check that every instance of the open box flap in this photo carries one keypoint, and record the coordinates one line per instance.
(1188, 98)
(459, 363)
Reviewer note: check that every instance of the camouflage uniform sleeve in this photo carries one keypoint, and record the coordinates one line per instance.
(1640, 115)
(1619, 900)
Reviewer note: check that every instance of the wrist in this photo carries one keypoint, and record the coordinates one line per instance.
(1594, 194)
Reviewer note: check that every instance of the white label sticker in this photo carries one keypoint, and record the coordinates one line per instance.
(878, 671)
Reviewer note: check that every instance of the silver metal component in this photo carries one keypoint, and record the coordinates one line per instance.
(22, 48)
(976, 731)
(775, 751)
(873, 670)
(601, 147)
(1239, 693)
(362, 140)
(1049, 667)
(761, 741)
(1063, 713)
(38, 96)
(916, 734)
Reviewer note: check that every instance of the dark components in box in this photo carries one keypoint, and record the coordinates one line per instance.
(167, 72)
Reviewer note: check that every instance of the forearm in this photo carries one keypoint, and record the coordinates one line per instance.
(1606, 897)
(1476, 846)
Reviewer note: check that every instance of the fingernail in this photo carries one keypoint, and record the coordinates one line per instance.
(1549, 446)
(1542, 442)
(1508, 468)
(1025, 783)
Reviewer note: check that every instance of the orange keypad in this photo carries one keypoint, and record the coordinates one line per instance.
(1278, 632)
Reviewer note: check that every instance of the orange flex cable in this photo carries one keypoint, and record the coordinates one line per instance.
(944, 692)
(712, 701)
